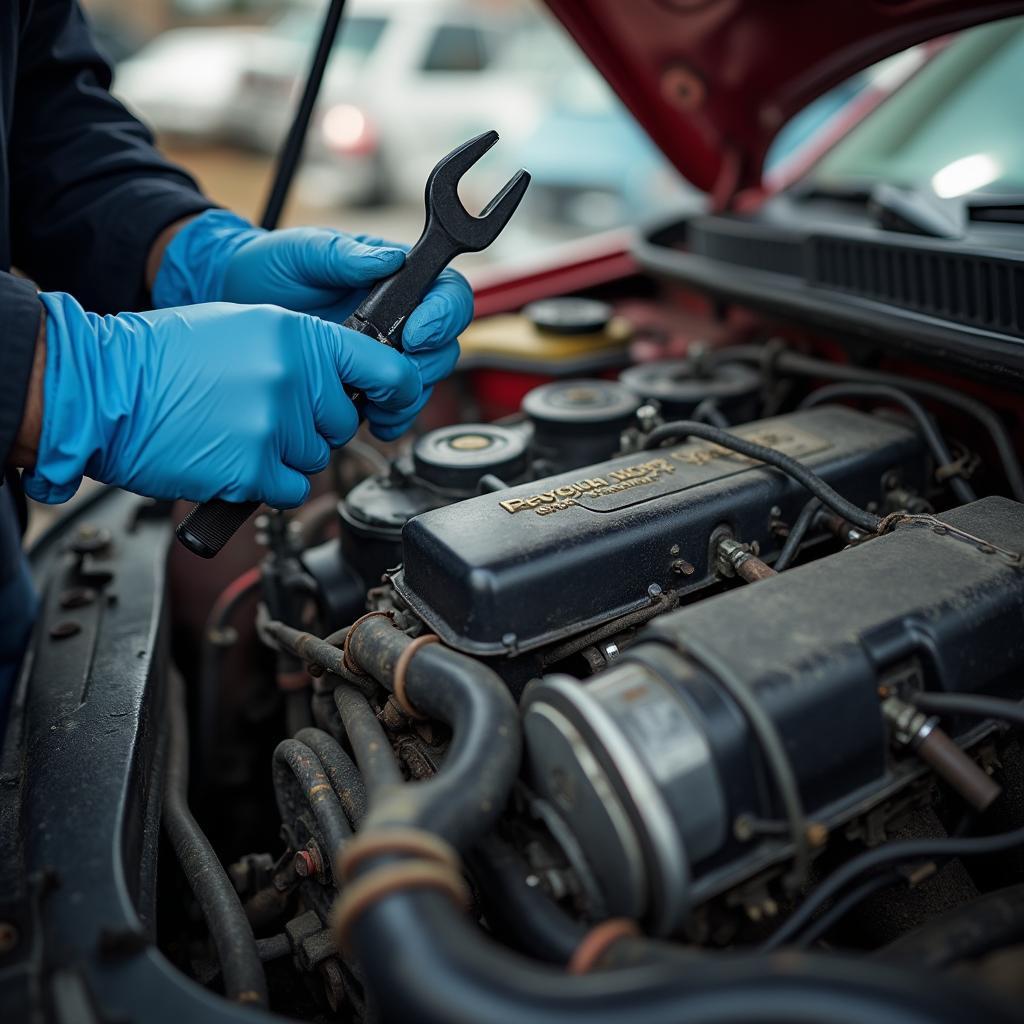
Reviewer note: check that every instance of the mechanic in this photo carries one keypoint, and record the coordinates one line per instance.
(230, 385)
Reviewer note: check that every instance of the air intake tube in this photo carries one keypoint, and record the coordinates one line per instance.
(424, 958)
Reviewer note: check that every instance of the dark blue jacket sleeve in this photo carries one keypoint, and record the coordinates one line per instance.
(20, 325)
(89, 191)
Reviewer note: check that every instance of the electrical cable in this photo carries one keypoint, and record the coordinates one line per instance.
(925, 423)
(883, 856)
(708, 412)
(772, 748)
(973, 704)
(796, 536)
(807, 366)
(822, 925)
(681, 429)
(425, 960)
(237, 953)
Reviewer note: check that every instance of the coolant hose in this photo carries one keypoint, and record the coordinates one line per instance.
(426, 961)
(463, 800)
(242, 970)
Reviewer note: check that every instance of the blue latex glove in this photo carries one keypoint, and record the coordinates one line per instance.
(327, 273)
(162, 404)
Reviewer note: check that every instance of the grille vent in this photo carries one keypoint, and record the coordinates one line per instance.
(976, 291)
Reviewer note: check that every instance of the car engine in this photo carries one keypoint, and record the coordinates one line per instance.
(677, 693)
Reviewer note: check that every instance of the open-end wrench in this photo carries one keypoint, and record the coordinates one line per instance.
(448, 231)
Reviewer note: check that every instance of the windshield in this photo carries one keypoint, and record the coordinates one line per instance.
(955, 127)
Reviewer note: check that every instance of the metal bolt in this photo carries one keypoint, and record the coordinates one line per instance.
(683, 567)
(304, 864)
(64, 629)
(8, 937)
(654, 591)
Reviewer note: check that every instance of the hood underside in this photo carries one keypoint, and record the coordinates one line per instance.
(713, 81)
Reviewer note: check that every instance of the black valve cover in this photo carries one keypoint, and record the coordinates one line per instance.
(514, 570)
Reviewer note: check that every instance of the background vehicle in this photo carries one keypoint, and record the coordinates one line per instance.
(408, 80)
(673, 671)
(194, 107)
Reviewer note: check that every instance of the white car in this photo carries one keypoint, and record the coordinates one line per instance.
(409, 80)
(183, 83)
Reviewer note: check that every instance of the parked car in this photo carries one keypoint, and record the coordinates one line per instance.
(409, 80)
(183, 83)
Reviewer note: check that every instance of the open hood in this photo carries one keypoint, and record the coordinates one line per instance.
(712, 81)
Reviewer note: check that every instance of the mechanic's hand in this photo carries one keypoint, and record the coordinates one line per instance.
(219, 256)
(160, 403)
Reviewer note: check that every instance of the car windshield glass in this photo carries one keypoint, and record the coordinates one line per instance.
(954, 128)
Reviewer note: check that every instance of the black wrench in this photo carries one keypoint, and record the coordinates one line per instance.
(448, 231)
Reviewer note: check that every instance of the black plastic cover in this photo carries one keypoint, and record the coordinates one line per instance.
(515, 570)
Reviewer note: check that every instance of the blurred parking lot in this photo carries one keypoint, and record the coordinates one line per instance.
(408, 80)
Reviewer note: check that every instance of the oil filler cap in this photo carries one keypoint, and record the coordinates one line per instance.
(455, 457)
(678, 389)
(579, 422)
(569, 315)
(584, 403)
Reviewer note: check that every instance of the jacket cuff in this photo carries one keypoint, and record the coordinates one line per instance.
(194, 263)
(21, 309)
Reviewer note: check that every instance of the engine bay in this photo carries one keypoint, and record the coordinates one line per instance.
(673, 683)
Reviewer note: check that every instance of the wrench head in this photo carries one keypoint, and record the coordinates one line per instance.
(470, 233)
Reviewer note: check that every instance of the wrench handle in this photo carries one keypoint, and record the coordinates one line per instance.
(210, 525)
(381, 316)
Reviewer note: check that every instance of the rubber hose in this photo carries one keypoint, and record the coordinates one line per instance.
(344, 775)
(461, 802)
(796, 535)
(295, 763)
(925, 423)
(426, 962)
(369, 742)
(808, 366)
(681, 429)
(242, 970)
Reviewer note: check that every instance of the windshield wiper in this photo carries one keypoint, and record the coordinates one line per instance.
(917, 211)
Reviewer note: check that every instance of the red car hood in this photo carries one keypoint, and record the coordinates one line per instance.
(712, 81)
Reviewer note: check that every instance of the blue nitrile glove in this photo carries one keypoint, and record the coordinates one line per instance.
(321, 271)
(163, 404)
